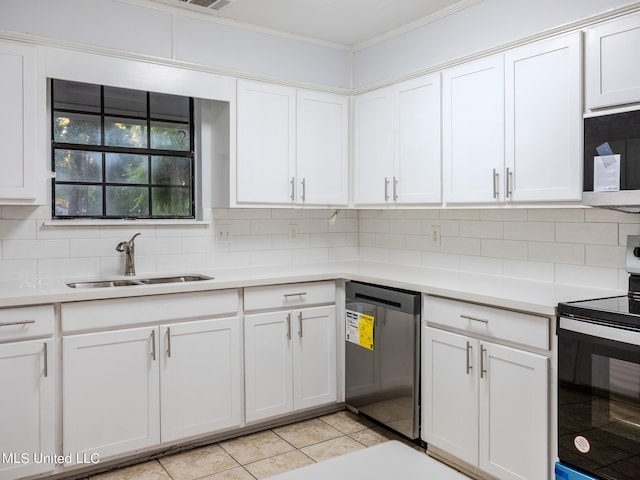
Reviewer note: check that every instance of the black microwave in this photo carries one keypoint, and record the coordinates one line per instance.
(612, 161)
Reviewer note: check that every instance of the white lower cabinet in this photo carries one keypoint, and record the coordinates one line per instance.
(133, 388)
(486, 404)
(27, 402)
(290, 355)
(290, 361)
(201, 377)
(110, 391)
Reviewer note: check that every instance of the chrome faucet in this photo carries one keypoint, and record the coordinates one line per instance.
(129, 249)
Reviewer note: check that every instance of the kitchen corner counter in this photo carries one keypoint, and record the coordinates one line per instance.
(505, 292)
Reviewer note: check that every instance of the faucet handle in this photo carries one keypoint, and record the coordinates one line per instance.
(133, 238)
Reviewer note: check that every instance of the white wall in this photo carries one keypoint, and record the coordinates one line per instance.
(482, 26)
(188, 38)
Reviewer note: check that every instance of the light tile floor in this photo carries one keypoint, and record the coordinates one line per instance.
(263, 454)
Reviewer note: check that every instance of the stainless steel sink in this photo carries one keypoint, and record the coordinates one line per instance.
(139, 281)
(177, 279)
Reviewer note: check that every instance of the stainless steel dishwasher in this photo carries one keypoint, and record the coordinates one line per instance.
(382, 355)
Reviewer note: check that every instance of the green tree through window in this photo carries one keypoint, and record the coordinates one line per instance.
(121, 153)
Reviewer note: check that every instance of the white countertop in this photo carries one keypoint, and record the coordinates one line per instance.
(511, 293)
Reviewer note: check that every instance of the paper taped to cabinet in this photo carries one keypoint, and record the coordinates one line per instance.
(606, 173)
(359, 329)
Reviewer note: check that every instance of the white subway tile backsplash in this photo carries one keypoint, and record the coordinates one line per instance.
(556, 252)
(587, 276)
(26, 249)
(605, 256)
(481, 229)
(555, 215)
(532, 270)
(488, 266)
(565, 245)
(445, 261)
(531, 231)
(504, 248)
(461, 246)
(18, 229)
(588, 233)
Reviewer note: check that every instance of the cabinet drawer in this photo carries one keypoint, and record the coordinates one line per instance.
(289, 295)
(26, 322)
(516, 327)
(124, 312)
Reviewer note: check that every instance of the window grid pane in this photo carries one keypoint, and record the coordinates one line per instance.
(137, 164)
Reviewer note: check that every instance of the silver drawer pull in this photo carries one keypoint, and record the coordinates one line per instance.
(19, 322)
(169, 342)
(475, 319)
(153, 345)
(469, 367)
(300, 294)
(483, 370)
(289, 326)
(46, 360)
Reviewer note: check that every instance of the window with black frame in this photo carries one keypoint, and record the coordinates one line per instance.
(121, 153)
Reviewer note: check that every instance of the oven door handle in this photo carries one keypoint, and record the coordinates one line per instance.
(601, 331)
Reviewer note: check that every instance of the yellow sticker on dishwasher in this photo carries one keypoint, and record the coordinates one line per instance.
(359, 329)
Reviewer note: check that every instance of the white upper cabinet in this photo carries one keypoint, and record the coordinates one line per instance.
(18, 124)
(373, 146)
(265, 167)
(292, 146)
(515, 136)
(612, 67)
(397, 143)
(543, 155)
(322, 148)
(473, 131)
(417, 167)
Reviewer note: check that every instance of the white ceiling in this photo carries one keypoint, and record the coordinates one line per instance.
(342, 22)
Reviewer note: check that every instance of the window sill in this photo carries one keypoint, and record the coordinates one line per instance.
(123, 223)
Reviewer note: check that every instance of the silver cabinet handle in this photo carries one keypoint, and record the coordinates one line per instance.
(395, 188)
(169, 342)
(475, 319)
(508, 179)
(153, 345)
(300, 324)
(289, 326)
(298, 294)
(19, 322)
(483, 370)
(495, 183)
(469, 367)
(46, 360)
(304, 188)
(293, 189)
(386, 189)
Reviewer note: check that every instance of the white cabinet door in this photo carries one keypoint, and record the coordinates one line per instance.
(513, 413)
(200, 377)
(417, 172)
(110, 391)
(265, 166)
(314, 353)
(27, 408)
(373, 147)
(268, 364)
(473, 131)
(613, 70)
(18, 123)
(450, 393)
(322, 148)
(543, 121)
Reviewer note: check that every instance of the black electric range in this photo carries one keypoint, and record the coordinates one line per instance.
(622, 311)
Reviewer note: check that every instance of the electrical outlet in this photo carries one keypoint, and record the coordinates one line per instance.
(223, 233)
(293, 232)
(435, 235)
